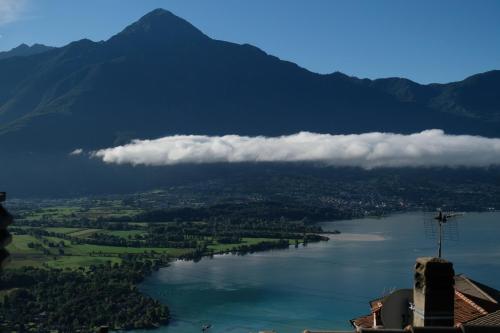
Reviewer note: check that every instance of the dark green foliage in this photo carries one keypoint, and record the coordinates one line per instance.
(79, 300)
(175, 234)
(244, 249)
(262, 246)
(252, 211)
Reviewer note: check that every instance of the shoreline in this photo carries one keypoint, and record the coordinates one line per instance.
(204, 256)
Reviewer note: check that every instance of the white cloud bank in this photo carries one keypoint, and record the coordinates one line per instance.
(11, 10)
(369, 150)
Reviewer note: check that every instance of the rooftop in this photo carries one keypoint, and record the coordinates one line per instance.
(461, 329)
(491, 319)
(475, 304)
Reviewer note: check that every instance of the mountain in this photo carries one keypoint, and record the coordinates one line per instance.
(24, 50)
(161, 75)
(476, 98)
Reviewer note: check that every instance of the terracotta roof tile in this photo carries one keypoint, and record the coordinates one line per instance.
(465, 310)
(492, 319)
(376, 304)
(363, 321)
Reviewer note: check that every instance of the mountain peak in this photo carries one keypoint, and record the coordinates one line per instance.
(161, 25)
(21, 47)
(160, 12)
(24, 50)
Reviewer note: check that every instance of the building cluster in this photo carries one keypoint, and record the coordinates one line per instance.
(439, 301)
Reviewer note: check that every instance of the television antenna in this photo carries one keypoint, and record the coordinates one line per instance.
(442, 226)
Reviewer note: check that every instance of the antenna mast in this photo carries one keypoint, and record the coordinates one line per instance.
(442, 218)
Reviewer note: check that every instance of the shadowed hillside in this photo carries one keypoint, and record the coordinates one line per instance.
(162, 76)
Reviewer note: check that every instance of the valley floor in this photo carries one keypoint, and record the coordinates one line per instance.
(108, 251)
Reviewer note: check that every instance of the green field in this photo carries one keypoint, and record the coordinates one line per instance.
(62, 230)
(80, 261)
(22, 255)
(125, 233)
(46, 236)
(19, 245)
(74, 255)
(50, 251)
(82, 233)
(85, 232)
(90, 210)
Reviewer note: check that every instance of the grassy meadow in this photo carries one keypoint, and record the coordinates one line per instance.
(75, 255)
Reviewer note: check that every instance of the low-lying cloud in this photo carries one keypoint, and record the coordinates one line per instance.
(430, 148)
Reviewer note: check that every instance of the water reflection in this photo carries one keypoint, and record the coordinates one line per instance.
(322, 285)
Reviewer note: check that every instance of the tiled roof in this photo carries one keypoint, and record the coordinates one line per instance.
(463, 329)
(475, 289)
(480, 294)
(475, 304)
(376, 303)
(465, 309)
(492, 319)
(363, 321)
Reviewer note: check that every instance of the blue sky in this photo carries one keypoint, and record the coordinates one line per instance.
(424, 40)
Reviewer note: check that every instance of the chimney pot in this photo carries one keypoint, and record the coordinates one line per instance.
(433, 293)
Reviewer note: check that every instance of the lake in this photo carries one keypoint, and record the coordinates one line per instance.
(323, 285)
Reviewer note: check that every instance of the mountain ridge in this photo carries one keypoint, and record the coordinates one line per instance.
(161, 76)
(24, 50)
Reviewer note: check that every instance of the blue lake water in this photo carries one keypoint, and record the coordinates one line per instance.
(323, 285)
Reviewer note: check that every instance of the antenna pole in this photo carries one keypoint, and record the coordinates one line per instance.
(441, 218)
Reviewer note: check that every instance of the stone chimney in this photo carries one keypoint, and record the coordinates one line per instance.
(433, 293)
